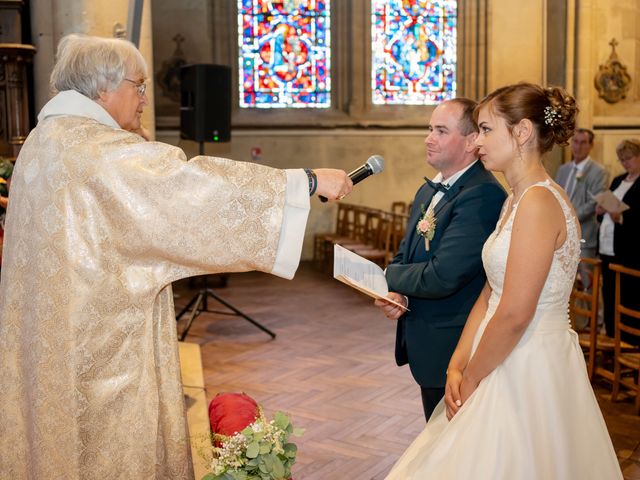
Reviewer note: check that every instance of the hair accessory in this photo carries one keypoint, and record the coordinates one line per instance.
(551, 115)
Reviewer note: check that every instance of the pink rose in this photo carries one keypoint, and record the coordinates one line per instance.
(423, 225)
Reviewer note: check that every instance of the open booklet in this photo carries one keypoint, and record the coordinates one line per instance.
(607, 200)
(361, 274)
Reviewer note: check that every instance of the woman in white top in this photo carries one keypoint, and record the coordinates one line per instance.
(619, 234)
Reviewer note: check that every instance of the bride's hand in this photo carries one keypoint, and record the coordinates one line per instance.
(452, 397)
(467, 387)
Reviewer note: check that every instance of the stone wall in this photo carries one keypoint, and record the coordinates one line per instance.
(503, 42)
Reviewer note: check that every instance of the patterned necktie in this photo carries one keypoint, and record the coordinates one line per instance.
(437, 186)
(571, 181)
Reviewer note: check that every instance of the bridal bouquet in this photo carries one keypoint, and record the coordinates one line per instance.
(259, 451)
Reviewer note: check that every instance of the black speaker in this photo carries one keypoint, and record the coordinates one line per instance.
(205, 103)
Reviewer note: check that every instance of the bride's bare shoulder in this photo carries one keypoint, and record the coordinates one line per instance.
(541, 207)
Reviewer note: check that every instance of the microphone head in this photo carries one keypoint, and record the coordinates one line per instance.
(376, 163)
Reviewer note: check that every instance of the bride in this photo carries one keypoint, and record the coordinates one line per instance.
(518, 403)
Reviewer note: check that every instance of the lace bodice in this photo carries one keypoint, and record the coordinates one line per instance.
(557, 288)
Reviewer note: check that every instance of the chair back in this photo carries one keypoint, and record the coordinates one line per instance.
(345, 219)
(398, 207)
(632, 325)
(584, 303)
(627, 332)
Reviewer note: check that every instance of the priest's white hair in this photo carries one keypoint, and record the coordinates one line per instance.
(91, 65)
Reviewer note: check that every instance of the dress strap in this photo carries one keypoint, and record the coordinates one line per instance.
(566, 209)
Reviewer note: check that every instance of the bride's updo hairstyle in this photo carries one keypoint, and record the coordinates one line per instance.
(551, 110)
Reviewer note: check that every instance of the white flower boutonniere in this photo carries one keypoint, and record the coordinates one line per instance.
(426, 226)
(579, 176)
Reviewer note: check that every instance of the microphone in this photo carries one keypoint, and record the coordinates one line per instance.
(375, 164)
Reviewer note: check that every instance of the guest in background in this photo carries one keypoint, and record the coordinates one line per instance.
(440, 277)
(620, 233)
(581, 179)
(99, 225)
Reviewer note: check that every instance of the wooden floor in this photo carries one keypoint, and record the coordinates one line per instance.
(331, 367)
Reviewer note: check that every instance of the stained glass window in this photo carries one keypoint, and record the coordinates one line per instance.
(284, 53)
(413, 51)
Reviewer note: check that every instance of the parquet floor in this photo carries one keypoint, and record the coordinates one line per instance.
(331, 367)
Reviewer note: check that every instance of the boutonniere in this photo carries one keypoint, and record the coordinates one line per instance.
(426, 226)
(579, 176)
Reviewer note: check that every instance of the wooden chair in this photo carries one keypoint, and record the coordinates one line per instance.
(398, 228)
(345, 219)
(351, 229)
(626, 356)
(398, 207)
(584, 304)
(377, 239)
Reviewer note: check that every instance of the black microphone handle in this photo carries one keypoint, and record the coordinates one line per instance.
(360, 173)
(356, 176)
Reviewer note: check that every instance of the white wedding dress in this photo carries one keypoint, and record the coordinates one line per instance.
(535, 416)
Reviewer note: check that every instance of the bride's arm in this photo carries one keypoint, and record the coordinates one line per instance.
(461, 355)
(538, 228)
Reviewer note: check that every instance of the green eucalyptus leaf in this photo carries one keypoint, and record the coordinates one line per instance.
(265, 447)
(278, 468)
(253, 449)
(281, 420)
(290, 450)
(268, 461)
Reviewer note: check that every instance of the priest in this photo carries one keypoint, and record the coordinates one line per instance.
(99, 224)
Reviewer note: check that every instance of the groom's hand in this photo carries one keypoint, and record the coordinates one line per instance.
(390, 310)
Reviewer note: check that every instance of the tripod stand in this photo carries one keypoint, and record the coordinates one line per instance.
(199, 303)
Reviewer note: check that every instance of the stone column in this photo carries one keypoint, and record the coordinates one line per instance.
(516, 42)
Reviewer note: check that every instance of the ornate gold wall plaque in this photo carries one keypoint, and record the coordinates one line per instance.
(612, 80)
(168, 77)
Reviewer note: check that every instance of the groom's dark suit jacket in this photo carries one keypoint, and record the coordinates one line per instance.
(443, 283)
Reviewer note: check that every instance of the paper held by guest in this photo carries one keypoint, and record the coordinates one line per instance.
(361, 274)
(607, 200)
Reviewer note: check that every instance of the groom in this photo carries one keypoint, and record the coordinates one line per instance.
(439, 278)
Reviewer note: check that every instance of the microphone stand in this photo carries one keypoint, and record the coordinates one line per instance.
(199, 303)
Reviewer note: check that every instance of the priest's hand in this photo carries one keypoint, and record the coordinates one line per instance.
(332, 183)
